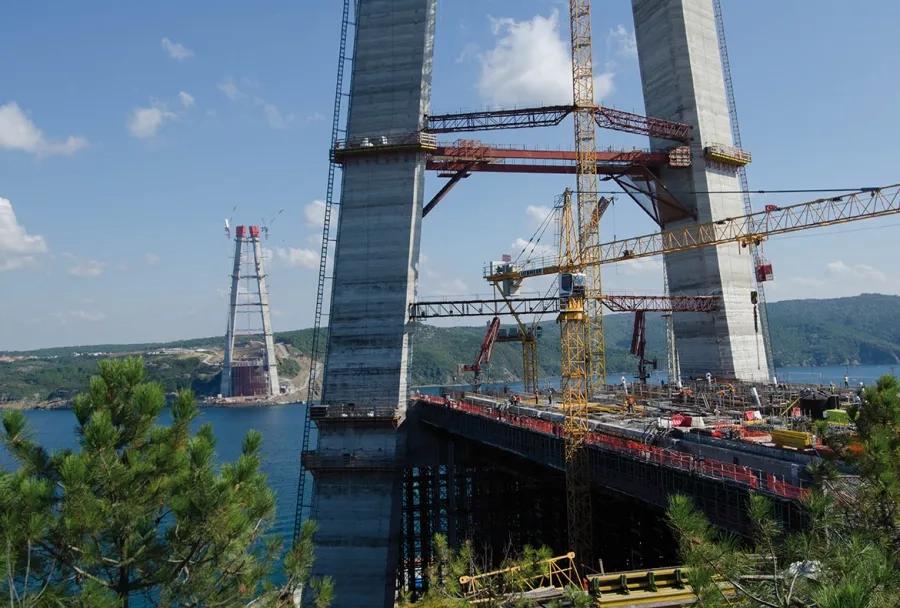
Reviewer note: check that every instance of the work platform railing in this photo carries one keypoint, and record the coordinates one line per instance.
(752, 479)
(314, 461)
(352, 412)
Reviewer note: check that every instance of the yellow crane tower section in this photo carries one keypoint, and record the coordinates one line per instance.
(580, 320)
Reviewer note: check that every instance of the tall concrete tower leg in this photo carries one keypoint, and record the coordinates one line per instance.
(681, 74)
(226, 383)
(361, 451)
(270, 362)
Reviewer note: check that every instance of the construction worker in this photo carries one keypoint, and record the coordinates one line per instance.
(550, 395)
(846, 381)
(831, 387)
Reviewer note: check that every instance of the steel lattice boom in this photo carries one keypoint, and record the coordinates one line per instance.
(541, 305)
(746, 230)
(549, 116)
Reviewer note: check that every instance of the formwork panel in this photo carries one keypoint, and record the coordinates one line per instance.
(681, 74)
(375, 273)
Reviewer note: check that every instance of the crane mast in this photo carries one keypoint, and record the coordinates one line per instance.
(581, 321)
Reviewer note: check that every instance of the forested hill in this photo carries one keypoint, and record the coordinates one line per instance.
(859, 330)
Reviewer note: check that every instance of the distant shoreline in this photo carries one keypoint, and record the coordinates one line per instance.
(67, 405)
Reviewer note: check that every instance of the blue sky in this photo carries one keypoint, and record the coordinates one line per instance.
(129, 131)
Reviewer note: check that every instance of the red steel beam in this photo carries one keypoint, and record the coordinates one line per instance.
(488, 167)
(484, 152)
(661, 303)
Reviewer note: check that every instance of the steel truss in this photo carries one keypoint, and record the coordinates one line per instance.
(754, 228)
(549, 116)
(746, 230)
(540, 305)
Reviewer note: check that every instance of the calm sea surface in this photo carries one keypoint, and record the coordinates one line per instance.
(282, 430)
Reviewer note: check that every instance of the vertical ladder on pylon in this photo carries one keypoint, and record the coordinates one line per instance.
(304, 504)
(745, 186)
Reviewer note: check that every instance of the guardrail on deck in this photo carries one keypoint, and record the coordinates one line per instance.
(751, 478)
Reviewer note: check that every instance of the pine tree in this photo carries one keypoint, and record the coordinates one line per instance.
(140, 509)
(849, 554)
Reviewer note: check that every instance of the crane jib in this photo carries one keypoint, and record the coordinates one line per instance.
(533, 272)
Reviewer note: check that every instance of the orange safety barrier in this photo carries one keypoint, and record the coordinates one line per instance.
(668, 458)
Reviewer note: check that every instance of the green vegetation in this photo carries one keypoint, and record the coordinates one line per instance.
(139, 509)
(847, 557)
(288, 368)
(62, 378)
(852, 331)
(504, 586)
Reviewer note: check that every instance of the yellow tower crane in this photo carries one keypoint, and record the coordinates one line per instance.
(583, 355)
(575, 294)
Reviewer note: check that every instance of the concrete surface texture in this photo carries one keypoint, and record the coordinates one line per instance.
(270, 362)
(681, 74)
(375, 274)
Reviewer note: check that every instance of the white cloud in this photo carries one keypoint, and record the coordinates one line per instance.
(537, 213)
(526, 250)
(186, 99)
(531, 64)
(17, 132)
(836, 279)
(87, 315)
(85, 268)
(17, 248)
(639, 266)
(151, 259)
(176, 50)
(314, 213)
(145, 122)
(622, 42)
(274, 117)
(860, 272)
(230, 90)
(296, 258)
(82, 315)
(433, 283)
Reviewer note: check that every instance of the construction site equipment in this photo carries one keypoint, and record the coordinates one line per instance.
(581, 315)
(798, 440)
(538, 581)
(744, 230)
(638, 347)
(484, 354)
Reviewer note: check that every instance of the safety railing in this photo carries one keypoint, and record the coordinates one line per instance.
(318, 412)
(313, 461)
(387, 141)
(752, 478)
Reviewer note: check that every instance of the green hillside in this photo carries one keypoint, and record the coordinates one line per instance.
(859, 330)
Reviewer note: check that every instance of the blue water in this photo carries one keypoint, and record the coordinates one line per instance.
(282, 430)
(281, 427)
